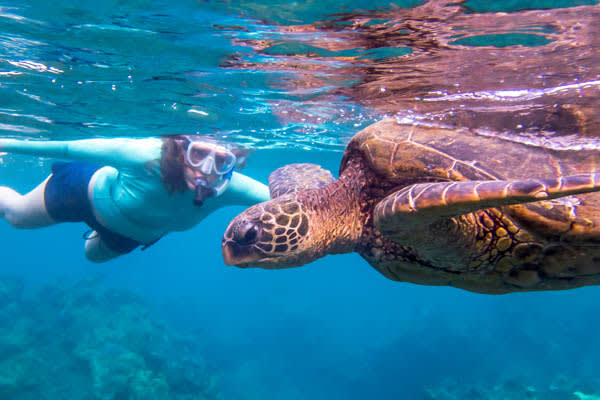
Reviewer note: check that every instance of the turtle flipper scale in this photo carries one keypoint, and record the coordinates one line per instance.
(295, 177)
(425, 203)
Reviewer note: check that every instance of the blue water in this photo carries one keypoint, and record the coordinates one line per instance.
(334, 329)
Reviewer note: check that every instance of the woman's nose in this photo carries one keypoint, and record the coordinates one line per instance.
(207, 166)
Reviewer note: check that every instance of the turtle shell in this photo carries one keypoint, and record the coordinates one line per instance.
(406, 153)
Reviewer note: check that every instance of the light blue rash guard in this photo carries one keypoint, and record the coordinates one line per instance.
(129, 196)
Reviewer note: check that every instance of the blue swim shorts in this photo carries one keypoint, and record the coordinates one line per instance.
(66, 199)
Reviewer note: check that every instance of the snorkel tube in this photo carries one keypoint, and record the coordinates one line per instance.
(202, 190)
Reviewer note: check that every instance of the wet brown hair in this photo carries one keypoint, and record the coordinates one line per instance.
(172, 162)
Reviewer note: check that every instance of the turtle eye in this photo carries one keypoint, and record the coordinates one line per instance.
(247, 234)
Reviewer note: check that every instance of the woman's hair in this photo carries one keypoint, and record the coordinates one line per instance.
(172, 162)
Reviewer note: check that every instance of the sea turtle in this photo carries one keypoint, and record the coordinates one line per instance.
(436, 206)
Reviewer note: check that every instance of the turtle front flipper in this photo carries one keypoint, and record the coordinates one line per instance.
(427, 202)
(458, 224)
(295, 177)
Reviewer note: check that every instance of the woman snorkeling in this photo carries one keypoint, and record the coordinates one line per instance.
(130, 192)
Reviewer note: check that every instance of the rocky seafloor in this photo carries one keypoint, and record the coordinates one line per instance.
(558, 388)
(83, 341)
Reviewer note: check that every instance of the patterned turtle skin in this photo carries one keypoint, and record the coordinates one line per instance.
(435, 206)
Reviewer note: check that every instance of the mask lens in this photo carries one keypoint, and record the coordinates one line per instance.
(224, 162)
(197, 153)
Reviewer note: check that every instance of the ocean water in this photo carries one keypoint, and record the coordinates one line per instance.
(295, 81)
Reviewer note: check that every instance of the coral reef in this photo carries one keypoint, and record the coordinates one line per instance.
(583, 396)
(82, 341)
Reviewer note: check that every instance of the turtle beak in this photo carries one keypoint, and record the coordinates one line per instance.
(238, 255)
(231, 252)
(239, 240)
(237, 252)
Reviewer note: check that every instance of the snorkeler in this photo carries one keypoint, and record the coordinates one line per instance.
(130, 192)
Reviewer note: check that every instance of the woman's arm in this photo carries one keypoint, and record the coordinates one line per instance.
(113, 151)
(243, 190)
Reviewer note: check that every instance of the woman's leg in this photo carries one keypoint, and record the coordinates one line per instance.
(25, 211)
(97, 251)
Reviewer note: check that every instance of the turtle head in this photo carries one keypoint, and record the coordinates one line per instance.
(310, 215)
(274, 234)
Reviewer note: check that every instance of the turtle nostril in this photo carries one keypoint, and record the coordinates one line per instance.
(248, 234)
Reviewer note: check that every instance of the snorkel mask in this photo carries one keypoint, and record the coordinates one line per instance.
(216, 161)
